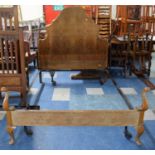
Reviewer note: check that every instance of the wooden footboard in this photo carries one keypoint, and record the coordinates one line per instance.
(76, 117)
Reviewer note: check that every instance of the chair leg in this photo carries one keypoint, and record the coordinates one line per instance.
(27, 76)
(104, 75)
(40, 76)
(125, 68)
(142, 65)
(34, 63)
(130, 67)
(125, 72)
(23, 98)
(149, 65)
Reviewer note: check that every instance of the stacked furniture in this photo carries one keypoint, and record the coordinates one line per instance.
(102, 17)
(141, 54)
(148, 18)
(129, 17)
(119, 55)
(132, 18)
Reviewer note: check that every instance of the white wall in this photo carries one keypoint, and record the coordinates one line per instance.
(30, 12)
(113, 11)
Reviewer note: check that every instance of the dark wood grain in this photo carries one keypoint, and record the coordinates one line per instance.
(72, 43)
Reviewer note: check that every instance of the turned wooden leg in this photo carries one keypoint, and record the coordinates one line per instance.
(125, 71)
(34, 63)
(140, 131)
(11, 133)
(52, 78)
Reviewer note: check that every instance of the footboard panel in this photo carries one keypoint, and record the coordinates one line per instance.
(134, 117)
(75, 118)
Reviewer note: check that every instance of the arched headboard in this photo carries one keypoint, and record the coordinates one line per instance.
(72, 43)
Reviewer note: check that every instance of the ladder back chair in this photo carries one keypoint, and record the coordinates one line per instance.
(12, 56)
(141, 56)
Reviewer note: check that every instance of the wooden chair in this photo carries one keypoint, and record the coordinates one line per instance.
(120, 54)
(148, 17)
(9, 18)
(12, 58)
(102, 17)
(141, 54)
(129, 18)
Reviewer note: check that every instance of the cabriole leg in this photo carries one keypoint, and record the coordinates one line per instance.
(11, 134)
(52, 78)
(140, 131)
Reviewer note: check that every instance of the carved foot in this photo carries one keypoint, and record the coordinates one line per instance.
(137, 140)
(52, 78)
(11, 133)
(104, 76)
(28, 130)
(127, 134)
(140, 131)
(102, 81)
(54, 83)
(11, 141)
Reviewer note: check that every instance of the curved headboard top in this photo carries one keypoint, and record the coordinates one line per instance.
(72, 29)
(73, 15)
